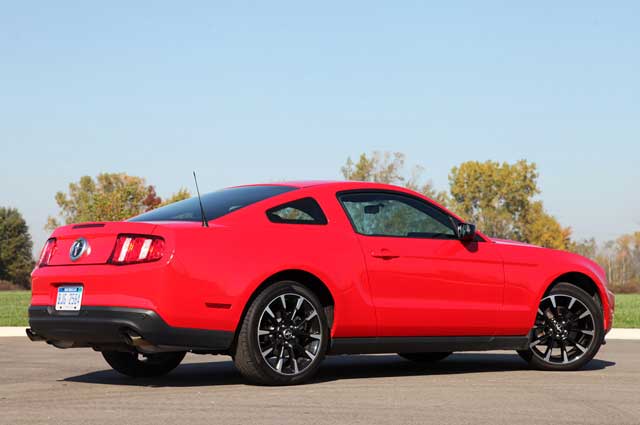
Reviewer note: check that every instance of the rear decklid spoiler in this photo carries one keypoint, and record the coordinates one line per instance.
(100, 238)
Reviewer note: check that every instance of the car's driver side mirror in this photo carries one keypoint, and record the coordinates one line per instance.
(466, 232)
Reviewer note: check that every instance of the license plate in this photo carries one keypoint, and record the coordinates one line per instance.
(69, 298)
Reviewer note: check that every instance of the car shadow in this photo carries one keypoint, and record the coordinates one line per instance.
(334, 368)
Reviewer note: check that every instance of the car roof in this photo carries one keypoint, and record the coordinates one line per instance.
(339, 184)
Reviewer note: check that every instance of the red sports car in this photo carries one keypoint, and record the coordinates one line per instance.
(280, 275)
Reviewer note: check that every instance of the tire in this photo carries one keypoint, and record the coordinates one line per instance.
(424, 357)
(143, 366)
(578, 339)
(286, 346)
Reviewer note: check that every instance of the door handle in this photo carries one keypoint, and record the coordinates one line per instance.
(384, 254)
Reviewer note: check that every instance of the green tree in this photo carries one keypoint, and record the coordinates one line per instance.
(388, 167)
(500, 199)
(16, 261)
(110, 197)
(180, 195)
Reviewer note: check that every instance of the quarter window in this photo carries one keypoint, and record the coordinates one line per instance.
(390, 214)
(301, 211)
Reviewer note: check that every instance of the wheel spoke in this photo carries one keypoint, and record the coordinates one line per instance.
(587, 332)
(280, 360)
(294, 361)
(298, 305)
(585, 314)
(547, 353)
(539, 341)
(563, 349)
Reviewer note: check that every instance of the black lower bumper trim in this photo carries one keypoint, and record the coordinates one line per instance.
(419, 344)
(106, 326)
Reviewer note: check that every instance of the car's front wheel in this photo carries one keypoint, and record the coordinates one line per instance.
(568, 330)
(143, 365)
(283, 337)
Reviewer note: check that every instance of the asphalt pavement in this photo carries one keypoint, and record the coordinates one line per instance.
(40, 384)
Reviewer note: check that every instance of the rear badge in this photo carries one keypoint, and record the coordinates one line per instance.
(79, 247)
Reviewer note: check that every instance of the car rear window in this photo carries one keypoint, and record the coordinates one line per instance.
(216, 204)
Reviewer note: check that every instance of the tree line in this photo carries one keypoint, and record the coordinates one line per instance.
(501, 198)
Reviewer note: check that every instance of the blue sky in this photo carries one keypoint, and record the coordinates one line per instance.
(248, 92)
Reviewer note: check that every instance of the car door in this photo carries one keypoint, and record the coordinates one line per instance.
(424, 281)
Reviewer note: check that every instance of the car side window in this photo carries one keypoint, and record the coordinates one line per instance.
(391, 214)
(300, 211)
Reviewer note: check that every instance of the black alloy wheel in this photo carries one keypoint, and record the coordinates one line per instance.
(283, 337)
(568, 330)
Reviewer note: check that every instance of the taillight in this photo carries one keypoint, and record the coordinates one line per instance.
(47, 252)
(131, 249)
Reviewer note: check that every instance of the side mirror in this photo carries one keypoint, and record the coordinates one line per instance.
(466, 232)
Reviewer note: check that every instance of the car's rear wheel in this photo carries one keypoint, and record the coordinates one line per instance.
(568, 330)
(425, 357)
(283, 337)
(143, 365)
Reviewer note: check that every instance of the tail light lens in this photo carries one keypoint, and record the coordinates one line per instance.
(132, 249)
(47, 252)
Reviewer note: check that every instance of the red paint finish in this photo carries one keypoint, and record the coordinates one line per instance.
(380, 286)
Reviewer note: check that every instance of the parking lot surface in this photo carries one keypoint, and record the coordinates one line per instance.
(43, 385)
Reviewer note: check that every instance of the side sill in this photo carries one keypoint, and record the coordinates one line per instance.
(423, 344)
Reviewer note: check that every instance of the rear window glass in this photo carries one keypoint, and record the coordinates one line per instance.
(216, 204)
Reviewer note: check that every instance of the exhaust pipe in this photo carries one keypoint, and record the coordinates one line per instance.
(142, 345)
(33, 336)
(135, 340)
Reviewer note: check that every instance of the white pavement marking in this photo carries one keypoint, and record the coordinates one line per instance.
(617, 333)
(12, 331)
(620, 333)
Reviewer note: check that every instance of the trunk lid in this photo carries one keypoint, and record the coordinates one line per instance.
(99, 238)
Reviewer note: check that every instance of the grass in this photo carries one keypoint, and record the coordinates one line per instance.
(627, 311)
(14, 304)
(13, 308)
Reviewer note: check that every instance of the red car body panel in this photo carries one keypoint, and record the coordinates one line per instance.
(208, 275)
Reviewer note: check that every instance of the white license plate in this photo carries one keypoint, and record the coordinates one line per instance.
(69, 298)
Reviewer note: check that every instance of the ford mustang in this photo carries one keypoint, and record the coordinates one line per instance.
(280, 275)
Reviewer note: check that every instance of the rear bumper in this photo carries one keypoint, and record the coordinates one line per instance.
(112, 327)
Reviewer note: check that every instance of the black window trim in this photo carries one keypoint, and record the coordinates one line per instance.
(339, 194)
(322, 222)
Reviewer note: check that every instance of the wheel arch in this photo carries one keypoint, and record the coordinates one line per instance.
(310, 280)
(580, 280)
